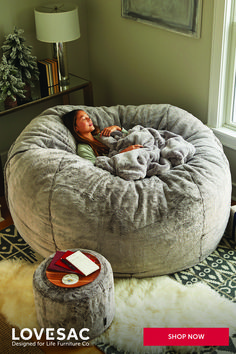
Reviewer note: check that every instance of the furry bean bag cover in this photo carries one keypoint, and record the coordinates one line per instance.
(159, 224)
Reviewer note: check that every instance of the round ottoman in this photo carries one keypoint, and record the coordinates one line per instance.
(152, 226)
(90, 306)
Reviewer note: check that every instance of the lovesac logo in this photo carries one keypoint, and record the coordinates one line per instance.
(50, 337)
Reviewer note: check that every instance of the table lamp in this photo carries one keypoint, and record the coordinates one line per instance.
(58, 23)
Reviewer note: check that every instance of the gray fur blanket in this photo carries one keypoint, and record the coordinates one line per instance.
(161, 151)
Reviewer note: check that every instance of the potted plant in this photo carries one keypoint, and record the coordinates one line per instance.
(19, 55)
(11, 85)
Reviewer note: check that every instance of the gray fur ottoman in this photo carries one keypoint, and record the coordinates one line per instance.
(155, 225)
(89, 306)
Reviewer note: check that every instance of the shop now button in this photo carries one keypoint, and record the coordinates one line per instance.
(185, 336)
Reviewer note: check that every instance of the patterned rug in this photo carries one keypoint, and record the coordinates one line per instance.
(218, 271)
(12, 246)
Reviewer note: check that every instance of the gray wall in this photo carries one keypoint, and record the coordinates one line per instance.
(133, 63)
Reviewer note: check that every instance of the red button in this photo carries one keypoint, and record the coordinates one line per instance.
(185, 336)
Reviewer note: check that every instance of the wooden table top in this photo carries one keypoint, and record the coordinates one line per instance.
(56, 277)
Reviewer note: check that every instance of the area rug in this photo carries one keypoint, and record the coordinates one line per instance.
(140, 303)
(206, 300)
(12, 246)
(162, 302)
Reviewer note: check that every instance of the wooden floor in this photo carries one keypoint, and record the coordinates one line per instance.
(50, 350)
(5, 214)
(47, 350)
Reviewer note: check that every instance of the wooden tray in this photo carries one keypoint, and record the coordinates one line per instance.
(56, 277)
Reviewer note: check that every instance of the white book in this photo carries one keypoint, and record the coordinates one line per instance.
(82, 262)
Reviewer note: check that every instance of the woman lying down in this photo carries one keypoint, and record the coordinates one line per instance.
(134, 154)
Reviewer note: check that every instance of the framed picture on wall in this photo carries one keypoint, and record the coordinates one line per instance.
(180, 16)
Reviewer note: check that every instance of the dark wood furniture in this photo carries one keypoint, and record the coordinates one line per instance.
(1, 179)
(76, 84)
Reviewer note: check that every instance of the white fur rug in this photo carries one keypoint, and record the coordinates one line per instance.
(152, 302)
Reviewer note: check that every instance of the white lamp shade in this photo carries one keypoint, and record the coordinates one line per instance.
(57, 24)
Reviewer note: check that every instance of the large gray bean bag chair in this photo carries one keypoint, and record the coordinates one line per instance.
(152, 226)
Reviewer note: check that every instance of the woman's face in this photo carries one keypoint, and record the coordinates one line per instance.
(83, 123)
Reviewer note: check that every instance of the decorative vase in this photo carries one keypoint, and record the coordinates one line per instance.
(27, 93)
(10, 103)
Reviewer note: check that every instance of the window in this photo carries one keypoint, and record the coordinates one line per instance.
(222, 94)
(230, 92)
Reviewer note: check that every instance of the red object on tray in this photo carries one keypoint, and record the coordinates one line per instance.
(57, 265)
(55, 273)
(62, 262)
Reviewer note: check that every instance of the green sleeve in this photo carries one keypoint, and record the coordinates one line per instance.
(124, 131)
(85, 151)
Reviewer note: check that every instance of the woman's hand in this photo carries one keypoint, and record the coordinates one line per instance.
(108, 130)
(131, 147)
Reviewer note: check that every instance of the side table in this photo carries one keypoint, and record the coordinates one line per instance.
(1, 179)
(90, 306)
(76, 84)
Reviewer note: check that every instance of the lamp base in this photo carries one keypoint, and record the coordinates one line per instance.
(64, 84)
(59, 52)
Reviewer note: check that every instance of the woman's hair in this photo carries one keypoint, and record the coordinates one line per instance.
(69, 120)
